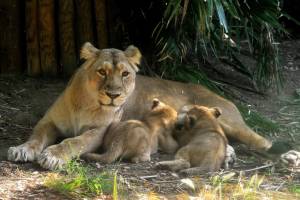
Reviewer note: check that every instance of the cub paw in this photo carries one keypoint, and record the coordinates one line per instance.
(22, 153)
(230, 157)
(291, 158)
(53, 158)
(163, 165)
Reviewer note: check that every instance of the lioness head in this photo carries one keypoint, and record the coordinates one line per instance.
(189, 115)
(111, 73)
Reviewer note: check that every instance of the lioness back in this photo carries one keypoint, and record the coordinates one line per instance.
(178, 94)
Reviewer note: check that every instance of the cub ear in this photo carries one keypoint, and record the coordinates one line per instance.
(134, 56)
(217, 111)
(88, 51)
(155, 103)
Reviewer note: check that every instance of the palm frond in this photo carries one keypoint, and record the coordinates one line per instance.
(220, 28)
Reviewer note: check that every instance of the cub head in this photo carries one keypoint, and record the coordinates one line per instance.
(110, 73)
(162, 112)
(191, 114)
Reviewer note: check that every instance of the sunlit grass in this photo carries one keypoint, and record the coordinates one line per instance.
(236, 188)
(295, 189)
(76, 180)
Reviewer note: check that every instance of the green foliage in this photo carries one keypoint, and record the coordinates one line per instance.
(222, 28)
(186, 73)
(258, 122)
(78, 181)
(295, 189)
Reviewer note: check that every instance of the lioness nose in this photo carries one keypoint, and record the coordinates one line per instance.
(112, 95)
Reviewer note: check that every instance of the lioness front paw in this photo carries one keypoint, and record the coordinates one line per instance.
(291, 158)
(22, 153)
(230, 157)
(53, 158)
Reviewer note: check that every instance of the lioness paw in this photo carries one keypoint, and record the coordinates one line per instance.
(291, 158)
(230, 157)
(52, 158)
(22, 153)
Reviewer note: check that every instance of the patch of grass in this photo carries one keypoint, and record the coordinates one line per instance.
(290, 110)
(76, 180)
(235, 188)
(295, 189)
(244, 188)
(258, 122)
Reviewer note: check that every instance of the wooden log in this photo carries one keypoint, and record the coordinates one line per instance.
(101, 25)
(11, 37)
(47, 37)
(85, 32)
(66, 36)
(32, 42)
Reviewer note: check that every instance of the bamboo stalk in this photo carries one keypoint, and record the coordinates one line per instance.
(47, 37)
(84, 21)
(101, 25)
(32, 42)
(11, 57)
(67, 36)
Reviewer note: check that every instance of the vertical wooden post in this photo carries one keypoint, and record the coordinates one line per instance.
(101, 26)
(47, 37)
(111, 21)
(11, 37)
(32, 41)
(85, 32)
(66, 36)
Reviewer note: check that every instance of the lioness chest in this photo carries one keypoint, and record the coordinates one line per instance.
(83, 120)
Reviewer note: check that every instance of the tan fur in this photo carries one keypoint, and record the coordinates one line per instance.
(136, 140)
(91, 101)
(178, 94)
(85, 105)
(202, 142)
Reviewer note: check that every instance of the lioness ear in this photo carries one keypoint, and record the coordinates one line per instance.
(217, 111)
(88, 51)
(134, 56)
(155, 103)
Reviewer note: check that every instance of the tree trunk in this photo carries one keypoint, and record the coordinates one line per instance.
(67, 36)
(32, 38)
(84, 21)
(101, 26)
(47, 37)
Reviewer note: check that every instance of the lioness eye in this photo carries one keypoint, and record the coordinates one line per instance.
(102, 72)
(124, 74)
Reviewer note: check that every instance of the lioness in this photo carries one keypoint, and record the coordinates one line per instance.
(92, 100)
(97, 94)
(137, 139)
(202, 141)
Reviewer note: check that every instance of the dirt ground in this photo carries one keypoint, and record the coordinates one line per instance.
(24, 100)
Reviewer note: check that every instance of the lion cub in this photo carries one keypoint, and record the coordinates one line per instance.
(202, 141)
(136, 140)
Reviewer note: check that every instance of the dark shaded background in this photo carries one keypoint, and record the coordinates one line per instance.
(127, 22)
